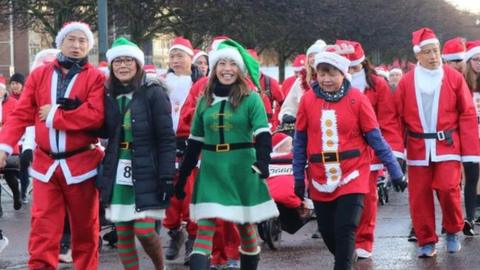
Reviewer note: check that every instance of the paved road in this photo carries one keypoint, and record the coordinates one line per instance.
(299, 251)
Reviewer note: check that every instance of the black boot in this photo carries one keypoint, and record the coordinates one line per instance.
(249, 262)
(199, 262)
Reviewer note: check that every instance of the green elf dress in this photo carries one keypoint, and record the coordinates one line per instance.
(122, 206)
(226, 187)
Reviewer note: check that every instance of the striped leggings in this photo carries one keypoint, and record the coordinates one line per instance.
(144, 229)
(206, 230)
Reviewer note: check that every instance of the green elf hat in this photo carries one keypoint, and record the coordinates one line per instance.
(124, 47)
(230, 49)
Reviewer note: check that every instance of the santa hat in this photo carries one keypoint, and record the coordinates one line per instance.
(103, 64)
(44, 57)
(198, 54)
(473, 48)
(150, 69)
(395, 71)
(217, 40)
(124, 47)
(382, 72)
(182, 44)
(454, 49)
(72, 26)
(3, 83)
(316, 47)
(423, 36)
(278, 139)
(334, 59)
(230, 49)
(357, 55)
(299, 62)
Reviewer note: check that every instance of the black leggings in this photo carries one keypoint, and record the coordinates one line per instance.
(338, 221)
(471, 171)
(12, 182)
(25, 161)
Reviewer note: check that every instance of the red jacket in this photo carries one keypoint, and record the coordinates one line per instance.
(72, 126)
(8, 105)
(287, 85)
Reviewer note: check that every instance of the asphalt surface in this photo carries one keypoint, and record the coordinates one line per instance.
(298, 251)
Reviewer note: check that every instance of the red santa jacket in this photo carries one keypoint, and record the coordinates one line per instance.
(8, 105)
(287, 85)
(72, 127)
(336, 127)
(382, 102)
(453, 110)
(281, 181)
(272, 99)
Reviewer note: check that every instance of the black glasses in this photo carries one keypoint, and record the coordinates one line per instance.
(128, 61)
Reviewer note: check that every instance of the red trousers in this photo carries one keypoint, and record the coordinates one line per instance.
(443, 178)
(366, 228)
(50, 202)
(178, 210)
(225, 242)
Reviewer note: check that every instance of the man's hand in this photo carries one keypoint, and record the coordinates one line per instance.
(3, 159)
(44, 110)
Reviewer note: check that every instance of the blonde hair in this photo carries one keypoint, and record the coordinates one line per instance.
(471, 77)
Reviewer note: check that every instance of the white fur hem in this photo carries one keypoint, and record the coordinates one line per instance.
(50, 116)
(331, 187)
(121, 213)
(234, 213)
(7, 148)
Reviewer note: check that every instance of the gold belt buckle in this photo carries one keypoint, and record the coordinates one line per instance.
(224, 147)
(337, 157)
(124, 145)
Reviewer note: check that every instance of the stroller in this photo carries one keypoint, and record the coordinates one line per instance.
(280, 184)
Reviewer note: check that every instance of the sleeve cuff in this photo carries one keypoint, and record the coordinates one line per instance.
(7, 148)
(399, 154)
(195, 138)
(260, 130)
(50, 116)
(470, 158)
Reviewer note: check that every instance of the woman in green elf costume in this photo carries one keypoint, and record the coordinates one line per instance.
(230, 129)
(139, 164)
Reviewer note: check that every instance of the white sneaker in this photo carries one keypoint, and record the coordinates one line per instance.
(363, 254)
(3, 243)
(66, 258)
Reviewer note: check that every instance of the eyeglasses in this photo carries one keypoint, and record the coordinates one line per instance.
(128, 61)
(476, 59)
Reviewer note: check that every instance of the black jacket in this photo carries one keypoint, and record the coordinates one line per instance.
(153, 151)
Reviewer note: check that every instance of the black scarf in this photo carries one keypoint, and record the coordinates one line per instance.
(69, 62)
(331, 96)
(221, 90)
(121, 89)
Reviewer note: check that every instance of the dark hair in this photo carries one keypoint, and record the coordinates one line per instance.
(369, 72)
(325, 67)
(239, 88)
(136, 81)
(472, 78)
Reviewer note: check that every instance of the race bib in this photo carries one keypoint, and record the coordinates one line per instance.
(124, 172)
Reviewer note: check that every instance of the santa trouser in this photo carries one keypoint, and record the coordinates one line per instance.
(444, 179)
(50, 201)
(178, 210)
(226, 241)
(366, 228)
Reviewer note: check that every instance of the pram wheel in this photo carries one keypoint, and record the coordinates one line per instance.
(382, 190)
(270, 231)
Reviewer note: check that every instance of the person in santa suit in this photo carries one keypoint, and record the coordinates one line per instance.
(365, 79)
(271, 94)
(181, 75)
(394, 76)
(437, 116)
(453, 53)
(298, 65)
(471, 170)
(64, 101)
(301, 85)
(7, 105)
(335, 127)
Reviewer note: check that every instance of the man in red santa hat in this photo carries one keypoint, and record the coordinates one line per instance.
(180, 77)
(437, 114)
(64, 101)
(453, 54)
(298, 65)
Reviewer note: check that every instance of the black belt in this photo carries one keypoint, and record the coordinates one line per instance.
(328, 157)
(440, 135)
(126, 145)
(225, 147)
(64, 155)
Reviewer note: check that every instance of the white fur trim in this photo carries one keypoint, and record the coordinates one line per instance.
(329, 188)
(226, 53)
(335, 60)
(472, 52)
(182, 48)
(297, 69)
(316, 47)
(453, 56)
(78, 178)
(199, 139)
(260, 130)
(126, 50)
(376, 167)
(122, 213)
(399, 154)
(6, 148)
(357, 62)
(250, 253)
(198, 55)
(235, 214)
(44, 177)
(50, 116)
(418, 48)
(70, 27)
(275, 147)
(470, 158)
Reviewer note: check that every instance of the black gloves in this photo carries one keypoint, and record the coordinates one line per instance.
(181, 146)
(399, 184)
(263, 148)
(190, 160)
(288, 119)
(300, 189)
(68, 104)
